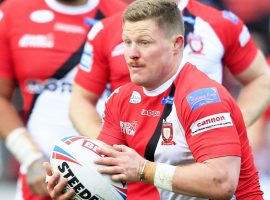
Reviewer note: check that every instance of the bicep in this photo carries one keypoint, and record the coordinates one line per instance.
(80, 94)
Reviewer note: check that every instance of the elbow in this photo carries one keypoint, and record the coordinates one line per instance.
(225, 187)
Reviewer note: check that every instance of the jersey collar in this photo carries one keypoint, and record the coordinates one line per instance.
(72, 10)
(165, 85)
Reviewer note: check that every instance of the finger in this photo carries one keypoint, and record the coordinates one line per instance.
(109, 161)
(109, 152)
(47, 168)
(119, 177)
(120, 148)
(56, 192)
(67, 195)
(53, 181)
(111, 170)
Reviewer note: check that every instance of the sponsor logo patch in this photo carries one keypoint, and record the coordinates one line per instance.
(167, 100)
(202, 97)
(87, 58)
(129, 128)
(211, 122)
(135, 98)
(42, 16)
(167, 134)
(36, 41)
(195, 42)
(51, 85)
(69, 28)
(150, 113)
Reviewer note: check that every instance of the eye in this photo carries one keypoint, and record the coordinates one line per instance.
(127, 42)
(144, 42)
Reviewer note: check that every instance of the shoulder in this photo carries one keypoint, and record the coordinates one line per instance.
(193, 81)
(109, 7)
(106, 26)
(219, 19)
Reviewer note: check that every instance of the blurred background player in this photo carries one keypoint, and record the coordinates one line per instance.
(41, 44)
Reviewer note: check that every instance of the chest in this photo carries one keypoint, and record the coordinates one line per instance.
(157, 136)
(41, 41)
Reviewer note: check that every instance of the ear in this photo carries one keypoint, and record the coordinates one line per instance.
(178, 43)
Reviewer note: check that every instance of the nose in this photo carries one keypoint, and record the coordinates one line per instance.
(132, 51)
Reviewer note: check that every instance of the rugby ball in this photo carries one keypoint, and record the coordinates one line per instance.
(74, 158)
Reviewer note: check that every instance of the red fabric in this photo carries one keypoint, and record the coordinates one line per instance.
(26, 191)
(248, 10)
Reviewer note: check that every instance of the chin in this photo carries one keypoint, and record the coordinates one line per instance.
(137, 82)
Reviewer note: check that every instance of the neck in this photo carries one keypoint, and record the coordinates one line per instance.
(73, 2)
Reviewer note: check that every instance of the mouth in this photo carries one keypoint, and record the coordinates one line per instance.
(135, 66)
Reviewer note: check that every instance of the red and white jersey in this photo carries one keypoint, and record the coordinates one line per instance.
(214, 39)
(202, 113)
(41, 43)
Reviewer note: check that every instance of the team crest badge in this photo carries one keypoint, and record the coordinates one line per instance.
(167, 134)
(196, 44)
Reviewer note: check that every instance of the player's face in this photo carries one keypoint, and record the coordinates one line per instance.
(148, 53)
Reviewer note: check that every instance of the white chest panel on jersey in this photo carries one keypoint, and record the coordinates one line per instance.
(49, 120)
(205, 50)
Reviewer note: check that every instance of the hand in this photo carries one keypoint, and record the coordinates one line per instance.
(36, 178)
(123, 163)
(54, 187)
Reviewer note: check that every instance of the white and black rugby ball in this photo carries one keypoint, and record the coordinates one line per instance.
(74, 158)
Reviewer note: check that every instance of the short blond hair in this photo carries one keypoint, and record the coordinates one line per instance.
(165, 12)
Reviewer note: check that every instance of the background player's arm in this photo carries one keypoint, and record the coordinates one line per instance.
(83, 112)
(9, 118)
(254, 97)
(17, 140)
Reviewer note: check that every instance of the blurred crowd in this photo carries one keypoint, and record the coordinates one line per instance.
(256, 15)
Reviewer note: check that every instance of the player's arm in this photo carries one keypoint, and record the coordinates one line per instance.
(83, 112)
(9, 118)
(215, 178)
(254, 97)
(17, 139)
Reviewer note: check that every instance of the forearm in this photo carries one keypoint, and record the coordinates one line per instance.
(254, 98)
(9, 118)
(16, 137)
(196, 179)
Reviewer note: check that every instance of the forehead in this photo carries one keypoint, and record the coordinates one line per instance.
(144, 27)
